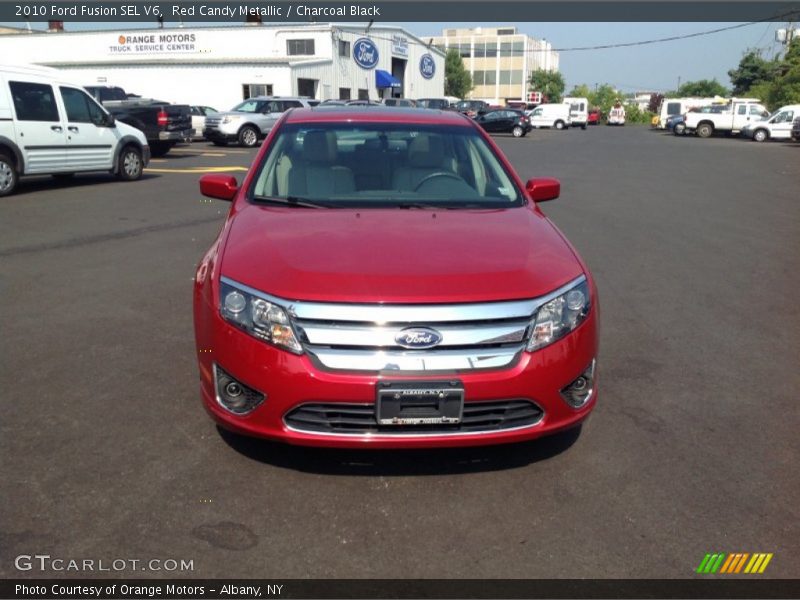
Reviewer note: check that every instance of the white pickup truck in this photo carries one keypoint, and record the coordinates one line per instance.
(739, 112)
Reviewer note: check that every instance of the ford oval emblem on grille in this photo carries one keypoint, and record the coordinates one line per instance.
(418, 338)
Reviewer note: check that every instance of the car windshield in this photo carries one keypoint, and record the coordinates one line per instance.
(380, 165)
(247, 106)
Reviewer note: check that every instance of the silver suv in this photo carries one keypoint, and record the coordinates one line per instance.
(250, 121)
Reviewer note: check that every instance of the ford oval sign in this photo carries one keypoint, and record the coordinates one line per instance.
(365, 53)
(418, 338)
(426, 66)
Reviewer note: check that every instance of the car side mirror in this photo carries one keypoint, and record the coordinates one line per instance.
(542, 189)
(109, 120)
(221, 187)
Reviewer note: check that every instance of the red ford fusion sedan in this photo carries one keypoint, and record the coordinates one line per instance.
(384, 279)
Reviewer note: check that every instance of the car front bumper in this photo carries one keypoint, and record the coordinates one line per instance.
(289, 381)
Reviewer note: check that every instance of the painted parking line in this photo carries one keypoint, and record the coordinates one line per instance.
(195, 150)
(197, 170)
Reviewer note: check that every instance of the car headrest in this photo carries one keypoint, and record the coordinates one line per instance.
(318, 146)
(426, 151)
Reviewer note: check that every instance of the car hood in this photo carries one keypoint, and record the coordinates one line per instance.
(395, 255)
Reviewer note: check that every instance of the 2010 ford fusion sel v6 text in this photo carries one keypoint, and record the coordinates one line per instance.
(384, 279)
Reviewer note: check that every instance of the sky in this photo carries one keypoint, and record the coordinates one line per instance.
(655, 67)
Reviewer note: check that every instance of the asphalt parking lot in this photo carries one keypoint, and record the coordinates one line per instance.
(693, 447)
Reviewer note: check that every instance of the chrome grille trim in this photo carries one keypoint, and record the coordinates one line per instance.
(361, 337)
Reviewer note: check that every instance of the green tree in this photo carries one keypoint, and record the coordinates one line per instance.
(604, 97)
(550, 83)
(702, 88)
(580, 91)
(457, 80)
(752, 70)
(785, 88)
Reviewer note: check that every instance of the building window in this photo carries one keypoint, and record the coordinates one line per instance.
(344, 47)
(518, 48)
(490, 78)
(363, 94)
(491, 49)
(516, 77)
(505, 77)
(34, 101)
(464, 50)
(506, 31)
(299, 47)
(505, 49)
(480, 50)
(344, 93)
(477, 77)
(251, 90)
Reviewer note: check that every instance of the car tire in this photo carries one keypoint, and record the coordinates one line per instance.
(8, 175)
(130, 165)
(248, 136)
(219, 142)
(159, 149)
(760, 135)
(704, 130)
(559, 125)
(518, 131)
(679, 129)
(583, 126)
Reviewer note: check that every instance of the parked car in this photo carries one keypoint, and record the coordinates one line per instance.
(671, 107)
(737, 113)
(348, 301)
(616, 116)
(677, 123)
(471, 108)
(777, 126)
(550, 115)
(578, 111)
(250, 121)
(594, 116)
(796, 129)
(51, 126)
(199, 114)
(163, 124)
(404, 102)
(434, 103)
(505, 120)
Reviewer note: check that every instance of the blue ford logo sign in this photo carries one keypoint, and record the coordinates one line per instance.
(426, 66)
(365, 53)
(418, 338)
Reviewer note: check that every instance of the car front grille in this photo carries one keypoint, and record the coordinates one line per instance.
(212, 122)
(359, 419)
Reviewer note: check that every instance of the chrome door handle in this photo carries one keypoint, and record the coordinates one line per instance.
(57, 128)
(73, 129)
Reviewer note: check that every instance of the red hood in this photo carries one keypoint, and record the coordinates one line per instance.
(402, 256)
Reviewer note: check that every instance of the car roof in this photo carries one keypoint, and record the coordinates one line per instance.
(375, 114)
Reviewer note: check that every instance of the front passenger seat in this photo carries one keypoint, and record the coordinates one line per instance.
(315, 173)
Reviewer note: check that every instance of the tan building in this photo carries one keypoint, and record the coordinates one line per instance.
(500, 60)
(4, 30)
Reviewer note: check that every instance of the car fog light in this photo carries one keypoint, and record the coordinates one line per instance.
(233, 395)
(577, 393)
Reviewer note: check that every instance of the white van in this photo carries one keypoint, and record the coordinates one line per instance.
(778, 126)
(578, 111)
(550, 115)
(49, 126)
(616, 116)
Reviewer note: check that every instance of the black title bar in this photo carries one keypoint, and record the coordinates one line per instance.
(397, 10)
(190, 589)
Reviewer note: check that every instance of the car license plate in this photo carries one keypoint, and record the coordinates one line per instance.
(419, 403)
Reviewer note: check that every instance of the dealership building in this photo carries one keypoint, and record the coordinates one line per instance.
(220, 66)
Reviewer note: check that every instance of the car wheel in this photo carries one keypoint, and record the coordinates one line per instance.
(219, 143)
(679, 129)
(559, 124)
(583, 126)
(131, 165)
(8, 175)
(760, 135)
(518, 131)
(248, 136)
(159, 149)
(705, 130)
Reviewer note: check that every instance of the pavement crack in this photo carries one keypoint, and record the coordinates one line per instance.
(96, 239)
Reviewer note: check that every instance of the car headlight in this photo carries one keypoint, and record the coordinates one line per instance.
(260, 318)
(230, 118)
(559, 316)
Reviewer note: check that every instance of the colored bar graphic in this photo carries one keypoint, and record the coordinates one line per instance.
(765, 563)
(734, 563)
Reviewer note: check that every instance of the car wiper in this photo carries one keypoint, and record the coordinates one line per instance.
(291, 201)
